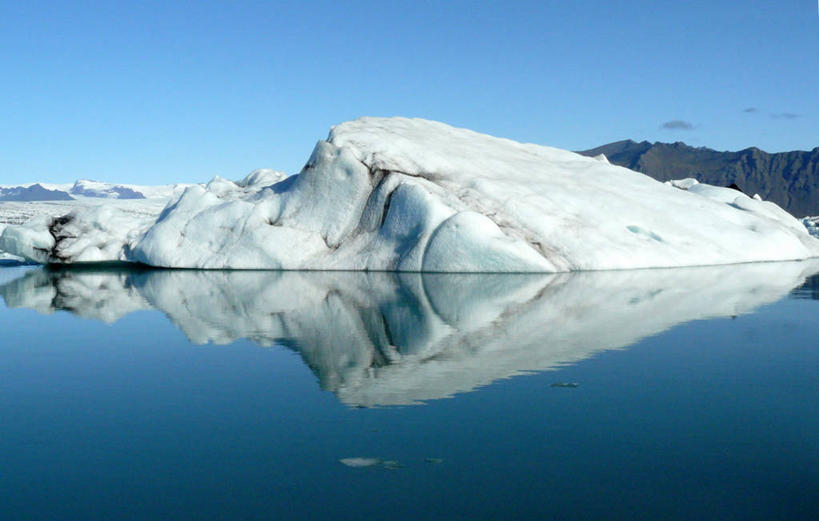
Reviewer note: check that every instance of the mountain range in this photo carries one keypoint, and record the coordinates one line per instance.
(80, 188)
(35, 192)
(789, 179)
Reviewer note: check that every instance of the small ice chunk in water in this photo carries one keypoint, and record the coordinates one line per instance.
(371, 462)
(360, 462)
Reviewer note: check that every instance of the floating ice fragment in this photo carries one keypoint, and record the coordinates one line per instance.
(360, 462)
(371, 462)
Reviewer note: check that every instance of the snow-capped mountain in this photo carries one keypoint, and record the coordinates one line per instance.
(85, 188)
(88, 188)
(34, 192)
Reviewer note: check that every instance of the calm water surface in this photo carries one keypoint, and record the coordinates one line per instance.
(659, 394)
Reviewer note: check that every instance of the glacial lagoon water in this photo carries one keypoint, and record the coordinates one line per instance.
(656, 394)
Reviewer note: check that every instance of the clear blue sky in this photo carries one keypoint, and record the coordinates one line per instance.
(158, 92)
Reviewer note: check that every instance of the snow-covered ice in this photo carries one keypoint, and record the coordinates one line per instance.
(98, 234)
(403, 194)
(402, 338)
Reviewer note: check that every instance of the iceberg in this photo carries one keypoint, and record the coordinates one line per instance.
(376, 339)
(398, 194)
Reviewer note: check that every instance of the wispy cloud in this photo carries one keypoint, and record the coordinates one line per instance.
(785, 115)
(751, 110)
(677, 124)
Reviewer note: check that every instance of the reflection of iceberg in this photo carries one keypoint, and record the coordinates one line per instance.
(388, 338)
(105, 295)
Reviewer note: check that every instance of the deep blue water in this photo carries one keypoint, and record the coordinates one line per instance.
(210, 395)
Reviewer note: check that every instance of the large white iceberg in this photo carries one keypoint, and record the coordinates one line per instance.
(414, 195)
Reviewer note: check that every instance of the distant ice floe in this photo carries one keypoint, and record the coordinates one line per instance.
(379, 339)
(360, 462)
(401, 194)
(370, 462)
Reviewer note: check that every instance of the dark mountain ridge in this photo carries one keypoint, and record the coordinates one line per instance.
(790, 179)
